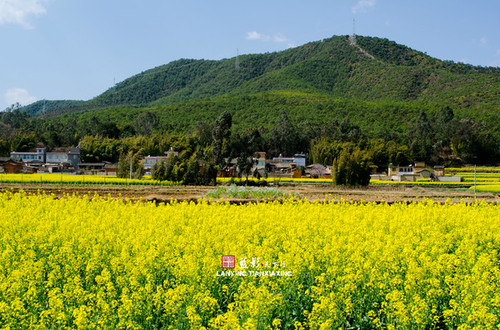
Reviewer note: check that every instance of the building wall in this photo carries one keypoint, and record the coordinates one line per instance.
(149, 162)
(299, 161)
(13, 167)
(72, 157)
(63, 157)
(449, 178)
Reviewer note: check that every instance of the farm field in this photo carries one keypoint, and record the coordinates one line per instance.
(311, 191)
(97, 262)
(148, 189)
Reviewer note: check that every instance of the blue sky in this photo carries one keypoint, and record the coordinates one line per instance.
(77, 49)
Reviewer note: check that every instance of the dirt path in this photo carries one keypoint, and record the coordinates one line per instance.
(364, 52)
(305, 190)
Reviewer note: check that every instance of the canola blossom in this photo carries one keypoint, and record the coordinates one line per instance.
(96, 262)
(80, 180)
(488, 188)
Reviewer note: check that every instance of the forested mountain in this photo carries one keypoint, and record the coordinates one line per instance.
(332, 66)
(377, 83)
(374, 69)
(328, 90)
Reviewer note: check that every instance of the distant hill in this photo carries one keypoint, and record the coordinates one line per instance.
(44, 106)
(377, 73)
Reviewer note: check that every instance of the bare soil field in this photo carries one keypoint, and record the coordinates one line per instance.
(305, 190)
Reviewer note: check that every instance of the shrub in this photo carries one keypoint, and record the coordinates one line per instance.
(352, 168)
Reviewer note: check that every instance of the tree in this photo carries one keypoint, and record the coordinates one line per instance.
(208, 174)
(443, 132)
(108, 129)
(284, 135)
(23, 142)
(158, 172)
(473, 143)
(192, 174)
(93, 126)
(16, 106)
(383, 153)
(172, 161)
(5, 130)
(348, 131)
(15, 117)
(352, 168)
(203, 132)
(244, 164)
(123, 169)
(421, 137)
(4, 148)
(444, 116)
(325, 150)
(221, 138)
(145, 123)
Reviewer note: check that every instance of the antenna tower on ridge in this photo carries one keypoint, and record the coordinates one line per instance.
(354, 31)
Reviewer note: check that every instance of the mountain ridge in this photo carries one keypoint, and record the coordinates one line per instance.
(333, 67)
(311, 95)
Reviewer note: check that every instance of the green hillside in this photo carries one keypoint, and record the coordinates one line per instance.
(332, 66)
(44, 106)
(373, 70)
(380, 85)
(330, 89)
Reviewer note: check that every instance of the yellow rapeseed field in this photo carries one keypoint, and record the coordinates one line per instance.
(79, 179)
(94, 262)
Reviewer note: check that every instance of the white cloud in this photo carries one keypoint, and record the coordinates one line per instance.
(483, 40)
(277, 38)
(254, 35)
(20, 11)
(363, 5)
(15, 95)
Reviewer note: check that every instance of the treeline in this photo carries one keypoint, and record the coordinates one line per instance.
(436, 139)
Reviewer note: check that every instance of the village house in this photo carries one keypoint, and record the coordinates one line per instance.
(287, 166)
(41, 156)
(260, 160)
(102, 168)
(299, 160)
(150, 161)
(318, 171)
(11, 165)
(415, 172)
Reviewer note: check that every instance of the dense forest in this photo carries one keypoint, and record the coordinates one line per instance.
(396, 104)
